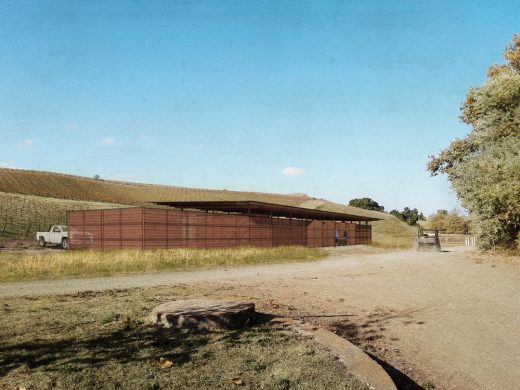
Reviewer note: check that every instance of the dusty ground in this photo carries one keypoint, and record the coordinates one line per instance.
(444, 319)
(10, 245)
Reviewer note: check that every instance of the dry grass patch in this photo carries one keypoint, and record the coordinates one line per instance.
(102, 341)
(16, 266)
(504, 256)
(392, 233)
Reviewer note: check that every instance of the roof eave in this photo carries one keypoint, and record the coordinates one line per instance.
(264, 208)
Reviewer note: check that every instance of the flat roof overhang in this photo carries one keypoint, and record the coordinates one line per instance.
(270, 209)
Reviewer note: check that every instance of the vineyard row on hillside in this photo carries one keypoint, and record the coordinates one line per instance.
(21, 216)
(55, 185)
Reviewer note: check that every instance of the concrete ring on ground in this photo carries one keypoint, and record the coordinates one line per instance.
(203, 314)
(357, 362)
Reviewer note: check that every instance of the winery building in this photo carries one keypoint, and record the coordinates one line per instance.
(214, 224)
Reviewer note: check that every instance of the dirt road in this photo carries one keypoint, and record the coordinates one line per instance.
(441, 318)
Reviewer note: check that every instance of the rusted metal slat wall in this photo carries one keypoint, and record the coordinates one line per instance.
(363, 234)
(321, 233)
(142, 228)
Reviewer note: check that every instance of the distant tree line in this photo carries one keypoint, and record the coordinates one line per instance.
(448, 222)
(410, 216)
(366, 203)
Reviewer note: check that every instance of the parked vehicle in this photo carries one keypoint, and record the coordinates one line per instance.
(57, 235)
(428, 240)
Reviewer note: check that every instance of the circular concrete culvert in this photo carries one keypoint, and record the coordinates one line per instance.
(203, 314)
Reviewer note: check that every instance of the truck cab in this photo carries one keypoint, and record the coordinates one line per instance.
(428, 240)
(57, 235)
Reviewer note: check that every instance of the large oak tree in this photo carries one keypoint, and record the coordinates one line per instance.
(484, 167)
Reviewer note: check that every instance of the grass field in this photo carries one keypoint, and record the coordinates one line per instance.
(103, 341)
(16, 266)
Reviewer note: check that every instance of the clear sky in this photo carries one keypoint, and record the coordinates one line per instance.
(333, 99)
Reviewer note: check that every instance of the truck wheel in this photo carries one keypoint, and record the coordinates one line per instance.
(65, 243)
(41, 242)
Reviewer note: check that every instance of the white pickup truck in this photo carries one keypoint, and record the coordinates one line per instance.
(57, 235)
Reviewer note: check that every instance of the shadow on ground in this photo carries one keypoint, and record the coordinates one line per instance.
(133, 342)
(124, 345)
(262, 318)
(401, 380)
(365, 334)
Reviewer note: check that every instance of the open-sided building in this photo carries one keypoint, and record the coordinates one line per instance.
(214, 224)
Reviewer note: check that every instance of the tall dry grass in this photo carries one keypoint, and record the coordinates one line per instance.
(17, 266)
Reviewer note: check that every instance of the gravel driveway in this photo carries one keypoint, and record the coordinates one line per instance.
(441, 318)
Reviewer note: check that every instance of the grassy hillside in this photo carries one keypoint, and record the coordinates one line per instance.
(32, 200)
(23, 215)
(393, 233)
(56, 185)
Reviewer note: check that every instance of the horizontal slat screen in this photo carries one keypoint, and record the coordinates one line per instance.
(164, 228)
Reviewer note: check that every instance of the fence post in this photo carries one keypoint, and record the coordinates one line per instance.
(28, 229)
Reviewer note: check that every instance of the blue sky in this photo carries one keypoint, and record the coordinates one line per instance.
(333, 99)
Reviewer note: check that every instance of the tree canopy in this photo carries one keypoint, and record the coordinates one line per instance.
(366, 203)
(451, 222)
(484, 167)
(408, 215)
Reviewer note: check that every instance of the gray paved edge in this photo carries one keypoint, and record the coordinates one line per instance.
(358, 363)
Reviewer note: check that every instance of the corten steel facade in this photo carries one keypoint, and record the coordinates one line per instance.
(149, 228)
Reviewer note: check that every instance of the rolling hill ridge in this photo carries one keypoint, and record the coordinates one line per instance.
(32, 200)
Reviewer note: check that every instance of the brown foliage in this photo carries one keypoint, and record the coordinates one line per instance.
(512, 53)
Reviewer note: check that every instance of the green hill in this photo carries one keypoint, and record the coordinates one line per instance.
(32, 200)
